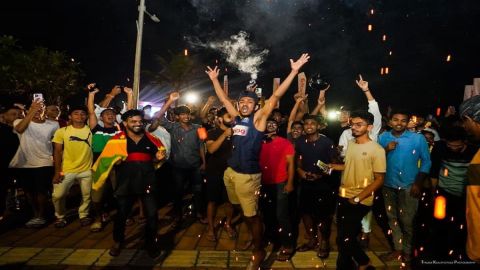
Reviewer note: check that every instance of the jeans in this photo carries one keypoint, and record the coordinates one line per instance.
(125, 204)
(61, 190)
(401, 209)
(349, 224)
(274, 203)
(182, 179)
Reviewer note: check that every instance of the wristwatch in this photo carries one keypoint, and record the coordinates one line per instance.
(356, 199)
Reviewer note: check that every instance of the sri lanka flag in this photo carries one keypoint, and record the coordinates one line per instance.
(115, 150)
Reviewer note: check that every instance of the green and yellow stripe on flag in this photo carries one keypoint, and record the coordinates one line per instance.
(115, 150)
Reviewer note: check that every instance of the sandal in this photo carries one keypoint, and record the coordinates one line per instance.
(307, 246)
(284, 254)
(211, 237)
(231, 232)
(60, 223)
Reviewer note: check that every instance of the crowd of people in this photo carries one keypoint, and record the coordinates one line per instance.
(246, 155)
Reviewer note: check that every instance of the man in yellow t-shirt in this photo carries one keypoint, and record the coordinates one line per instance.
(73, 161)
(363, 173)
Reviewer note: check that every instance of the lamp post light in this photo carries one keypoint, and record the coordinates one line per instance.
(138, 50)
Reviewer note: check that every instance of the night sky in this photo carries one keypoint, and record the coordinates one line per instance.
(101, 34)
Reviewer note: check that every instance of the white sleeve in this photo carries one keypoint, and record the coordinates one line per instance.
(377, 118)
(98, 111)
(343, 141)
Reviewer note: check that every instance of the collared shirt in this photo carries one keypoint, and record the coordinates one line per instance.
(402, 162)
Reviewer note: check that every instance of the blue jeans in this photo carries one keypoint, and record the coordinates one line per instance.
(274, 203)
(401, 209)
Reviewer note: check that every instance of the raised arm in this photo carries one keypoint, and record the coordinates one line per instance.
(109, 97)
(92, 117)
(271, 103)
(206, 108)
(321, 103)
(34, 108)
(222, 96)
(129, 92)
(158, 117)
(299, 99)
(372, 105)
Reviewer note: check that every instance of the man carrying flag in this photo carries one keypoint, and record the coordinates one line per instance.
(138, 152)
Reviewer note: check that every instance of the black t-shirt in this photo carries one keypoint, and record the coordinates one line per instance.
(311, 152)
(8, 144)
(143, 146)
(217, 161)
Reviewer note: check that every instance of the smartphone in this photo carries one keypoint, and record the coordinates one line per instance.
(258, 91)
(38, 96)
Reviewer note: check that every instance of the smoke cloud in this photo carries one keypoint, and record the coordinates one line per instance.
(241, 53)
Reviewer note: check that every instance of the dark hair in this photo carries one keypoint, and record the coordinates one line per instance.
(212, 110)
(276, 110)
(132, 113)
(249, 94)
(147, 107)
(77, 108)
(297, 123)
(271, 119)
(181, 109)
(425, 132)
(399, 111)
(221, 112)
(455, 134)
(8, 108)
(317, 118)
(364, 115)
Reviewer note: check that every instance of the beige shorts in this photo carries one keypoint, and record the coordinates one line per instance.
(243, 189)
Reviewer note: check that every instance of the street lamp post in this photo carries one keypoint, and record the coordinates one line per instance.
(138, 50)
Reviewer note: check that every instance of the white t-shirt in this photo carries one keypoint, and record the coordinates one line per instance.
(35, 148)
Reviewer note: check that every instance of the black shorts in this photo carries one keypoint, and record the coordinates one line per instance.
(216, 191)
(35, 179)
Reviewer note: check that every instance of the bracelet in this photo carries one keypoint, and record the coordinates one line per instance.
(366, 90)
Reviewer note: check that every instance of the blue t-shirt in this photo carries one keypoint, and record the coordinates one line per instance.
(402, 162)
(247, 142)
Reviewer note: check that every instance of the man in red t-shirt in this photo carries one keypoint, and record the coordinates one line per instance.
(277, 164)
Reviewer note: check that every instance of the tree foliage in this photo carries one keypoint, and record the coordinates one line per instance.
(24, 72)
(175, 72)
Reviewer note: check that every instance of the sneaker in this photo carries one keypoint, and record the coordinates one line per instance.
(97, 226)
(85, 221)
(36, 223)
(60, 223)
